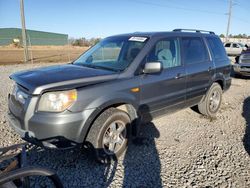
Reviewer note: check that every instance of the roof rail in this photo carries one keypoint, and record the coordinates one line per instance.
(196, 30)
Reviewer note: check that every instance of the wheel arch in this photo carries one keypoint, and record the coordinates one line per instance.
(130, 107)
(220, 82)
(220, 79)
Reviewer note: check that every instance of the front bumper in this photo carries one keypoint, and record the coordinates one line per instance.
(52, 130)
(58, 142)
(16, 126)
(243, 69)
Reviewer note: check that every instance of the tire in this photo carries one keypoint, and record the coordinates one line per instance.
(211, 102)
(106, 141)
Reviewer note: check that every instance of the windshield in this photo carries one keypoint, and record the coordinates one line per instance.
(114, 53)
(241, 45)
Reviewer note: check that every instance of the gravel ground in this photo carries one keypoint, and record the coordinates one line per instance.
(183, 149)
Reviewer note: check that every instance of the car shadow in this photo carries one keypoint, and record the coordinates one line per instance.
(237, 76)
(245, 77)
(246, 115)
(141, 164)
(74, 167)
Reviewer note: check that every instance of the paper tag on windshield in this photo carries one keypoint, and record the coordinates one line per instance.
(137, 39)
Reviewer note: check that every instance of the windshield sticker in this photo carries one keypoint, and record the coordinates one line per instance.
(138, 39)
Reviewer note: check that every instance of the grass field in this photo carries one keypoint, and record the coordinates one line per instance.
(44, 54)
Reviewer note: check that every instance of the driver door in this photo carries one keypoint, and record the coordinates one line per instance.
(165, 91)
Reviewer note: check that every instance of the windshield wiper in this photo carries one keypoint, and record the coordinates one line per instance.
(108, 68)
(99, 67)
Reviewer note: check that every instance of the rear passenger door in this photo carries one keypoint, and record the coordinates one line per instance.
(219, 55)
(199, 68)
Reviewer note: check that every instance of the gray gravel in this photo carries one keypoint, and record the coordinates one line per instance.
(183, 149)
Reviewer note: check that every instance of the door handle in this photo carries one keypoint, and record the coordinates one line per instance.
(179, 75)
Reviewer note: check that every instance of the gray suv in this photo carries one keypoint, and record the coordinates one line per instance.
(242, 64)
(101, 98)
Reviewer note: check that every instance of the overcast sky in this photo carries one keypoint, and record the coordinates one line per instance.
(101, 18)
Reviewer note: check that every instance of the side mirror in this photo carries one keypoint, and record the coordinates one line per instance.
(152, 67)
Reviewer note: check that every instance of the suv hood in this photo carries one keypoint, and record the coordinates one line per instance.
(67, 76)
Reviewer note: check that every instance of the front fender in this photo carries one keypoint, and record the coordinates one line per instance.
(103, 103)
(117, 98)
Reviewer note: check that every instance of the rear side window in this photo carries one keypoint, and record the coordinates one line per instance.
(194, 50)
(228, 45)
(216, 47)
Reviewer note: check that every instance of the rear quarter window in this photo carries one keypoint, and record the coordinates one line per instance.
(194, 50)
(216, 47)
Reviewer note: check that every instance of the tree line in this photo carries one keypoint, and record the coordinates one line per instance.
(84, 42)
(242, 36)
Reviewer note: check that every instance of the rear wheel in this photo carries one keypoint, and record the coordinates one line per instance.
(210, 104)
(109, 134)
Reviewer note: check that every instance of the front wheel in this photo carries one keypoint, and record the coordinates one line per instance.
(109, 134)
(210, 104)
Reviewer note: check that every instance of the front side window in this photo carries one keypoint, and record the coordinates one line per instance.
(114, 53)
(194, 50)
(166, 51)
(235, 45)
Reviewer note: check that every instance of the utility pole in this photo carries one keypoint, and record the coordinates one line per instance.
(229, 18)
(26, 55)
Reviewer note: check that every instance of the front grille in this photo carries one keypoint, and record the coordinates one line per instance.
(17, 102)
(245, 58)
(15, 107)
(245, 67)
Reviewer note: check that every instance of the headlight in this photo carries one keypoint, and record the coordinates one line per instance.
(57, 101)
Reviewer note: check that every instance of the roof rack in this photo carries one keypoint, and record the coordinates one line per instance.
(197, 31)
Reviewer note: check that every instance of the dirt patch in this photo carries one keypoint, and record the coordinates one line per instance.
(40, 54)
